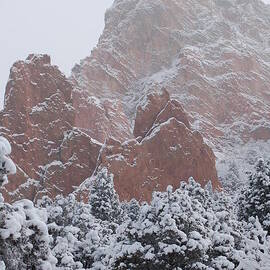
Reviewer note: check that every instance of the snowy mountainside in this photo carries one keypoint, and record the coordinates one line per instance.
(236, 163)
(104, 158)
(61, 136)
(212, 56)
(202, 46)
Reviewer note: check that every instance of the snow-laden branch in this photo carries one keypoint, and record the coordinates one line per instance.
(7, 166)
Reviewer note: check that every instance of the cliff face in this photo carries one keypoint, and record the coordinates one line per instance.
(57, 132)
(212, 57)
(38, 119)
(54, 145)
(166, 151)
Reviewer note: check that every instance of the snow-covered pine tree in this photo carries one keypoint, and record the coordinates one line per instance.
(24, 238)
(131, 209)
(103, 199)
(11, 255)
(256, 246)
(188, 229)
(255, 199)
(77, 236)
(170, 233)
(6, 164)
(68, 222)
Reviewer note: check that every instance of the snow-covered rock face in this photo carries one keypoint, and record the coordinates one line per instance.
(213, 56)
(57, 131)
(165, 151)
(39, 121)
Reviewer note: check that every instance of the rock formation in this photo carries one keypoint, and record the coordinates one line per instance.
(38, 120)
(211, 56)
(167, 151)
(57, 132)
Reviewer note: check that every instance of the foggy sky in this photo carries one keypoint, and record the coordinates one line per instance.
(67, 30)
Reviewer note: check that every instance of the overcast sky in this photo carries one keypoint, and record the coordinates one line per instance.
(67, 30)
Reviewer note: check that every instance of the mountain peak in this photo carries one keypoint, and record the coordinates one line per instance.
(213, 59)
(40, 59)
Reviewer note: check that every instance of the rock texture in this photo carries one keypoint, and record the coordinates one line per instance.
(100, 119)
(57, 132)
(155, 109)
(167, 152)
(212, 56)
(39, 120)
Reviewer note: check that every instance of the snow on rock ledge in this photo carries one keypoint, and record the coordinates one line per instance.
(167, 152)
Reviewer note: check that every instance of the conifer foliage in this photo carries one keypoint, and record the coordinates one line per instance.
(189, 228)
(6, 164)
(104, 200)
(255, 200)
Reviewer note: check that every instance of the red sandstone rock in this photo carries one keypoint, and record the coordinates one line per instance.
(148, 111)
(212, 56)
(55, 132)
(37, 111)
(168, 154)
(39, 120)
(195, 49)
(101, 119)
(157, 109)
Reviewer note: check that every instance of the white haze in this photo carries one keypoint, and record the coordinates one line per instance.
(67, 30)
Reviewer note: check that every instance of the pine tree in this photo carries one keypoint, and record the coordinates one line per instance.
(24, 238)
(255, 201)
(103, 199)
(68, 222)
(6, 164)
(170, 233)
(133, 208)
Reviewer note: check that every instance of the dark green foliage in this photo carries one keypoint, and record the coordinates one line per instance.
(255, 200)
(104, 201)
